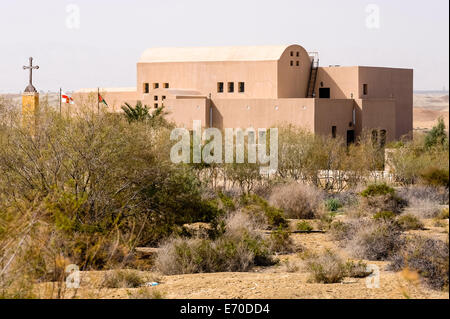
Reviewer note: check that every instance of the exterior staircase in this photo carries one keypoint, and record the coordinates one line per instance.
(313, 75)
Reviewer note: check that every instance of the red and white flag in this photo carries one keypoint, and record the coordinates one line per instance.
(66, 98)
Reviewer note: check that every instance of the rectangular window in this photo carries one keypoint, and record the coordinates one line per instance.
(292, 53)
(156, 98)
(292, 63)
(298, 53)
(333, 131)
(297, 63)
(163, 97)
(156, 105)
(146, 88)
(156, 85)
(241, 87)
(365, 89)
(166, 85)
(230, 87)
(219, 87)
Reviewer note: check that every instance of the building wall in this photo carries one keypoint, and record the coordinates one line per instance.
(382, 83)
(342, 81)
(263, 113)
(329, 113)
(184, 111)
(293, 79)
(390, 83)
(259, 77)
(380, 114)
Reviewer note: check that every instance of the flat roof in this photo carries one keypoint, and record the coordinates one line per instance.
(213, 54)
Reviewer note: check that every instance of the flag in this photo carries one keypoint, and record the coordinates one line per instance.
(66, 98)
(101, 100)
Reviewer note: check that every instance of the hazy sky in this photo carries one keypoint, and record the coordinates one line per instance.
(102, 50)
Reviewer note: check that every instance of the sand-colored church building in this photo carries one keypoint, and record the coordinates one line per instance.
(264, 86)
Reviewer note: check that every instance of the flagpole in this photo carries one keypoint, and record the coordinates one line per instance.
(60, 97)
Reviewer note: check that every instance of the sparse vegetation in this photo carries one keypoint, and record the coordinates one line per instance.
(428, 256)
(333, 204)
(123, 279)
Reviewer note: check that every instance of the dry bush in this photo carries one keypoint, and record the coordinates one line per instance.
(185, 256)
(280, 242)
(357, 270)
(424, 201)
(326, 267)
(146, 293)
(381, 197)
(409, 222)
(123, 279)
(375, 240)
(429, 257)
(298, 200)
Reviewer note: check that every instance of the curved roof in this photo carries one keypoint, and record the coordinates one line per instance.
(205, 54)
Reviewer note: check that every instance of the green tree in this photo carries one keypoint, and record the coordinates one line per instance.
(437, 136)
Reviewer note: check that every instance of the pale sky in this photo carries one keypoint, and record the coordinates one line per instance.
(103, 50)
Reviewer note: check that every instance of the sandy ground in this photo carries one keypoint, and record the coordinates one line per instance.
(277, 282)
(428, 108)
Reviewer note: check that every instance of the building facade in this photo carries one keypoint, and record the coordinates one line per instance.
(266, 86)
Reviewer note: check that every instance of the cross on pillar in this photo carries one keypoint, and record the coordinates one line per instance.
(30, 88)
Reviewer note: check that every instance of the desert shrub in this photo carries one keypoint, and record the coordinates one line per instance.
(123, 279)
(280, 241)
(333, 204)
(356, 270)
(256, 205)
(340, 230)
(385, 215)
(378, 190)
(146, 293)
(444, 213)
(376, 240)
(415, 157)
(325, 221)
(436, 177)
(429, 257)
(326, 267)
(304, 226)
(409, 222)
(299, 201)
(183, 256)
(381, 197)
(238, 247)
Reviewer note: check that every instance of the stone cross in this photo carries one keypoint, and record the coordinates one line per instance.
(30, 88)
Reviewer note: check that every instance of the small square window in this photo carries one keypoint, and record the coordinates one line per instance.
(146, 88)
(219, 87)
(292, 63)
(155, 98)
(241, 87)
(230, 87)
(156, 105)
(163, 97)
(365, 89)
(156, 85)
(292, 53)
(166, 85)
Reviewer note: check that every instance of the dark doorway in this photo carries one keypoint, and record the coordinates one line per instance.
(324, 93)
(350, 137)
